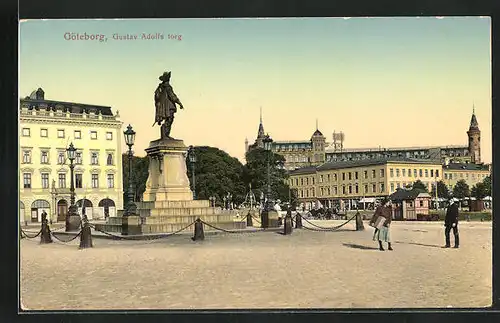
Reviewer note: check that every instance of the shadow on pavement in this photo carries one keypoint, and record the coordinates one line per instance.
(357, 246)
(420, 244)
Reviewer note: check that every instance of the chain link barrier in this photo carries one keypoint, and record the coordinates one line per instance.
(323, 229)
(66, 241)
(25, 235)
(231, 231)
(162, 236)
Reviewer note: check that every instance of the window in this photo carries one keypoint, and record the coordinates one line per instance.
(397, 172)
(44, 133)
(437, 172)
(297, 181)
(26, 132)
(356, 175)
(421, 203)
(426, 173)
(78, 134)
(93, 135)
(60, 157)
(328, 177)
(409, 172)
(109, 161)
(78, 158)
(392, 187)
(343, 190)
(78, 180)
(350, 189)
(403, 171)
(62, 180)
(366, 188)
(420, 173)
(374, 188)
(382, 172)
(415, 173)
(366, 174)
(335, 190)
(432, 172)
(335, 177)
(27, 157)
(350, 175)
(302, 181)
(356, 189)
(374, 173)
(343, 176)
(307, 180)
(95, 180)
(45, 180)
(94, 158)
(109, 136)
(382, 187)
(44, 157)
(391, 172)
(27, 180)
(398, 185)
(60, 133)
(313, 181)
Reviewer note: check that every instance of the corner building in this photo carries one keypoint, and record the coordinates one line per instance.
(46, 129)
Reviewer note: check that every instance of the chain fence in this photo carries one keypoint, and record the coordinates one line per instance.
(25, 235)
(155, 237)
(324, 229)
(231, 231)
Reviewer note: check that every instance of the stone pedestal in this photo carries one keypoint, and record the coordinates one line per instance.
(167, 180)
(131, 225)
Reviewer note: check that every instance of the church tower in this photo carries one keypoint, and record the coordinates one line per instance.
(318, 146)
(474, 135)
(260, 134)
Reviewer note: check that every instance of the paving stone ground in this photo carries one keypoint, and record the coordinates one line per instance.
(264, 270)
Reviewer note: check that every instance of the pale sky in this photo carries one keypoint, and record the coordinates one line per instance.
(382, 81)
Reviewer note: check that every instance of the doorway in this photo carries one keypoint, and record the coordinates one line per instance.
(62, 210)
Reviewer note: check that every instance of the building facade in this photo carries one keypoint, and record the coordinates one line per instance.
(47, 128)
(316, 151)
(349, 182)
(470, 173)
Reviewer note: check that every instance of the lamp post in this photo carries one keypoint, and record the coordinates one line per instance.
(130, 208)
(72, 218)
(268, 205)
(192, 162)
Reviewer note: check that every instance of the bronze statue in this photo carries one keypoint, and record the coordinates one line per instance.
(165, 100)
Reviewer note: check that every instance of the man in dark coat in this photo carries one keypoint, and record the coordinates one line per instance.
(165, 101)
(451, 222)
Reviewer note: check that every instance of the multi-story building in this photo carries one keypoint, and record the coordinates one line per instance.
(315, 151)
(348, 182)
(47, 128)
(470, 173)
(296, 153)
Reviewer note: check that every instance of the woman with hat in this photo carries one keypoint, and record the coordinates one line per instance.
(381, 221)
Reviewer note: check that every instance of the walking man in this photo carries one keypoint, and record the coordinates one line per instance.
(451, 222)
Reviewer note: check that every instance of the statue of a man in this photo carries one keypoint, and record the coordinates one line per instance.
(165, 100)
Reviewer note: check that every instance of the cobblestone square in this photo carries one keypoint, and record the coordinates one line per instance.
(264, 270)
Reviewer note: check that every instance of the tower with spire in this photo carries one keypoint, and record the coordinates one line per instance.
(318, 146)
(474, 135)
(259, 142)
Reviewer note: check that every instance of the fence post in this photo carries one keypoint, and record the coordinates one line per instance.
(298, 221)
(249, 220)
(288, 228)
(45, 234)
(86, 235)
(198, 230)
(359, 222)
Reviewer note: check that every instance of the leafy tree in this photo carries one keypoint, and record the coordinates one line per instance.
(487, 184)
(442, 190)
(418, 185)
(140, 172)
(216, 174)
(255, 173)
(461, 189)
(479, 191)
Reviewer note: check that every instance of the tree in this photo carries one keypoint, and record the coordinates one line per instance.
(418, 185)
(216, 174)
(442, 190)
(140, 172)
(255, 173)
(487, 184)
(461, 190)
(479, 191)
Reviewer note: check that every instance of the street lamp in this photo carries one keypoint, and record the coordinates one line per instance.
(72, 211)
(268, 205)
(130, 208)
(192, 162)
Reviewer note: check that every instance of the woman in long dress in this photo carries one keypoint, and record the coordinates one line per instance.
(383, 213)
